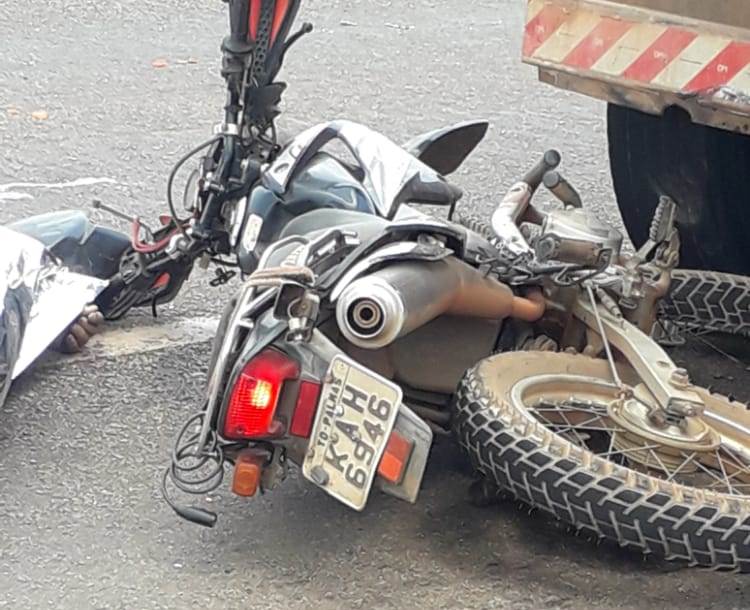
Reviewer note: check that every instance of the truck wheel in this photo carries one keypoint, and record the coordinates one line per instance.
(703, 169)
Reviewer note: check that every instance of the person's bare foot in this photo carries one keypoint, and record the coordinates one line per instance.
(78, 334)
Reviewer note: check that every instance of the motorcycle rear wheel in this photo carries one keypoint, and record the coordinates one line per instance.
(551, 458)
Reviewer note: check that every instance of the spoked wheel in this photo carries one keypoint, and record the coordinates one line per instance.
(555, 432)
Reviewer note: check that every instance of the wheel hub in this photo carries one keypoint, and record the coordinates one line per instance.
(641, 439)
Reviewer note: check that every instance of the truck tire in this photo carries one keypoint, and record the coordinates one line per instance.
(703, 169)
(603, 496)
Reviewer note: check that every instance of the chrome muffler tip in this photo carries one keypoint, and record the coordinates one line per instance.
(370, 313)
(375, 310)
(366, 317)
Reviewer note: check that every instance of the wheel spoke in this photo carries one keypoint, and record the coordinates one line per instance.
(628, 450)
(711, 473)
(545, 419)
(741, 465)
(583, 408)
(581, 441)
(724, 472)
(586, 428)
(659, 460)
(564, 408)
(728, 479)
(584, 417)
(583, 426)
(552, 425)
(611, 444)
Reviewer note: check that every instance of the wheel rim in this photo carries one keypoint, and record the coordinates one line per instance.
(586, 412)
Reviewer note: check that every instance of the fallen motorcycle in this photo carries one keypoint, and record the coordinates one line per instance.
(348, 348)
(230, 215)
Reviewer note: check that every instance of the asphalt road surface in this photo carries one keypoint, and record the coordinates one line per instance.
(85, 112)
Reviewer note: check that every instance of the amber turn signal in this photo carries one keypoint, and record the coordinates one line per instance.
(393, 464)
(247, 472)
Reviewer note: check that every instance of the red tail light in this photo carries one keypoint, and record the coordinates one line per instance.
(255, 395)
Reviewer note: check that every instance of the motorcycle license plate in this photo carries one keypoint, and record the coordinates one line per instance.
(356, 414)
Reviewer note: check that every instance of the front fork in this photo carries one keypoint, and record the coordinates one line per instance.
(668, 383)
(629, 329)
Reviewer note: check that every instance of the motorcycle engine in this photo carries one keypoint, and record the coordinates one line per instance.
(576, 237)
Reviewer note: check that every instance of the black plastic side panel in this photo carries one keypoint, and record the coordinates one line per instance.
(444, 150)
(324, 184)
(265, 205)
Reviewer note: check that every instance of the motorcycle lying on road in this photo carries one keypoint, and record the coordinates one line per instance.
(348, 348)
(230, 216)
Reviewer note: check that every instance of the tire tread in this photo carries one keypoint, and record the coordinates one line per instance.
(594, 495)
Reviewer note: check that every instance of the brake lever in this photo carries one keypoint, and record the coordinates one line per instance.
(306, 28)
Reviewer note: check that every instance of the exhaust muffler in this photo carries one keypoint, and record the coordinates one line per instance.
(375, 310)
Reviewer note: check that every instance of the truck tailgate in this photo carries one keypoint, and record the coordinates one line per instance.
(648, 53)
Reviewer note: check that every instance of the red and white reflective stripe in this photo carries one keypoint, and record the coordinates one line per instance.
(722, 69)
(667, 57)
(541, 26)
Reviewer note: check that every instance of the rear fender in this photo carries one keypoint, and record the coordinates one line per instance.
(314, 358)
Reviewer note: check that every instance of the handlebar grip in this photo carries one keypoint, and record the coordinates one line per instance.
(196, 515)
(562, 189)
(549, 162)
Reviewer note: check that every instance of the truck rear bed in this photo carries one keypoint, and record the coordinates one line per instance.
(648, 54)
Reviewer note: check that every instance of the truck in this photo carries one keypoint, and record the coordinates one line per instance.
(675, 75)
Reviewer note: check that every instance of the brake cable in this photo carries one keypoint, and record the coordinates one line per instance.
(605, 341)
(173, 174)
(145, 248)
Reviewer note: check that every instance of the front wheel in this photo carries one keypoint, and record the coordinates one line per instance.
(553, 431)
